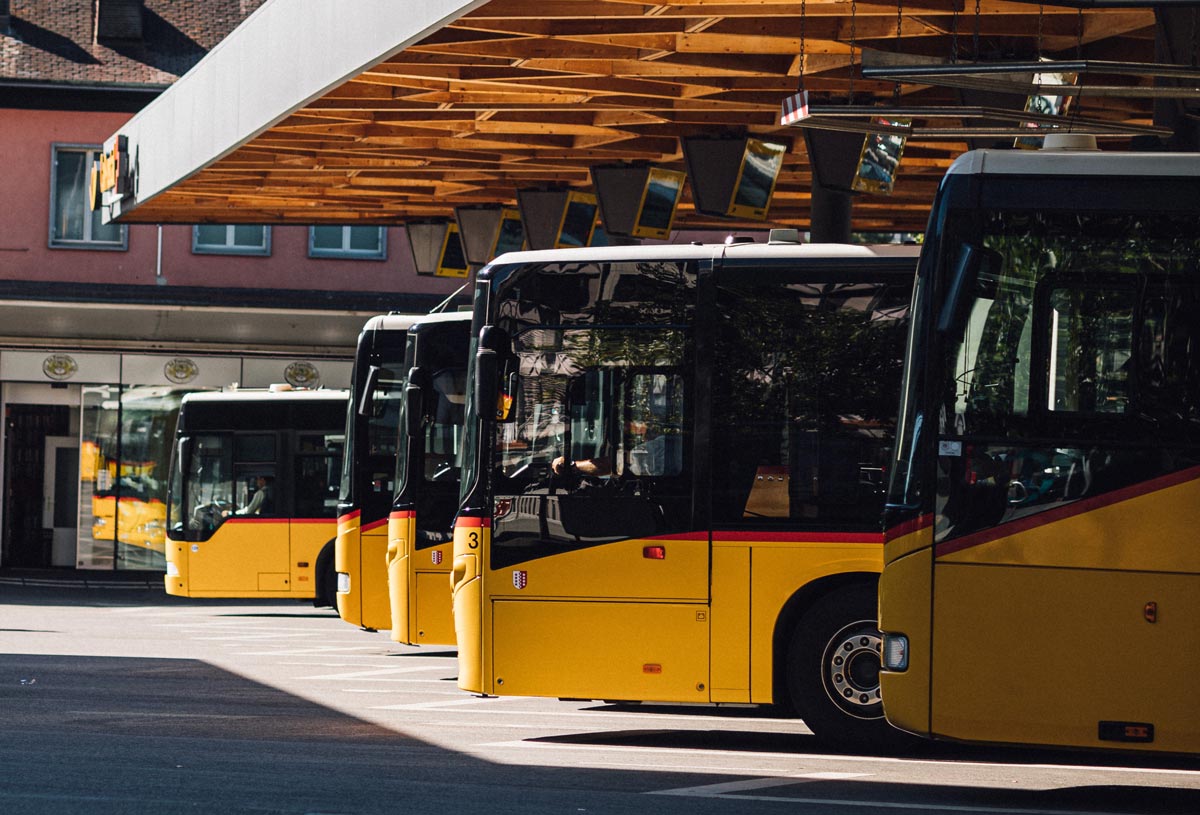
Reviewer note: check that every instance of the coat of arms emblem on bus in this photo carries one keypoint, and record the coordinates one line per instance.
(520, 578)
(437, 557)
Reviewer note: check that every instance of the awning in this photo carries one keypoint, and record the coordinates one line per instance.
(381, 111)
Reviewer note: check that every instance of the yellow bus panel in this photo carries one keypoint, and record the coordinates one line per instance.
(656, 569)
(539, 649)
(729, 651)
(418, 585)
(982, 685)
(401, 528)
(435, 613)
(904, 607)
(467, 595)
(250, 558)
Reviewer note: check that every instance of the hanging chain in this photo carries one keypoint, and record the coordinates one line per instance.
(1037, 76)
(1077, 107)
(954, 35)
(899, 36)
(1041, 15)
(853, 31)
(975, 37)
(803, 22)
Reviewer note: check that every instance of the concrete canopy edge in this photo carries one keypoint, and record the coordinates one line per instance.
(281, 57)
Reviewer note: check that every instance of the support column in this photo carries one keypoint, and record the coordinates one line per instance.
(830, 215)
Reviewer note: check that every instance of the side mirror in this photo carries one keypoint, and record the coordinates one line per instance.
(486, 380)
(364, 400)
(971, 261)
(414, 408)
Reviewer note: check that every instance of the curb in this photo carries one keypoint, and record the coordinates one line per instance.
(80, 583)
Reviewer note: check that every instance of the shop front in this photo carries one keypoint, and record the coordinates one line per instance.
(86, 444)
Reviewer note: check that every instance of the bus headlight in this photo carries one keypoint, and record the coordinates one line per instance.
(172, 569)
(895, 652)
(343, 585)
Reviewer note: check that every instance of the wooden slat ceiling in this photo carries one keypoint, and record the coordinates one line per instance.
(530, 93)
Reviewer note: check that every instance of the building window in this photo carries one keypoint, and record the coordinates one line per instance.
(366, 242)
(231, 239)
(72, 224)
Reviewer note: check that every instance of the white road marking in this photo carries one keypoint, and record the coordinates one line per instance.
(528, 745)
(377, 675)
(270, 635)
(473, 700)
(311, 650)
(918, 807)
(715, 790)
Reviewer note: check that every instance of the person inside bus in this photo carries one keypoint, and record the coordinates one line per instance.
(658, 454)
(263, 500)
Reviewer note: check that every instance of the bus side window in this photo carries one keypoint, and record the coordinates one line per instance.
(318, 461)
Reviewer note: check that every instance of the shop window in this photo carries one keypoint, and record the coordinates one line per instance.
(73, 224)
(359, 242)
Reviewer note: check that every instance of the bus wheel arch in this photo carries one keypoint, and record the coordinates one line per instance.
(325, 578)
(827, 649)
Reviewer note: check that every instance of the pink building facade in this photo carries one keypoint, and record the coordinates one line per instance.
(103, 328)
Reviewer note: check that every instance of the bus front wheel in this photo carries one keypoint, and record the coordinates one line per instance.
(833, 665)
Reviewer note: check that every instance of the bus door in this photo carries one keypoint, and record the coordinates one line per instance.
(237, 539)
(316, 468)
(598, 583)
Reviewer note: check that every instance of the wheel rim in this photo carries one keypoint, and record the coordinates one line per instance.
(850, 670)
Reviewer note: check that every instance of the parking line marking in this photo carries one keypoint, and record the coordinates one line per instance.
(377, 675)
(720, 789)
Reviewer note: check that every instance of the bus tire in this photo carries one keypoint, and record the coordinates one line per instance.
(833, 664)
(326, 579)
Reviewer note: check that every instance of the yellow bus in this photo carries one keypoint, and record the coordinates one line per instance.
(673, 476)
(419, 528)
(1042, 578)
(368, 469)
(252, 495)
(420, 551)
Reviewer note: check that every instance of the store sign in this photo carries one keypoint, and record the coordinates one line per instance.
(60, 367)
(180, 370)
(113, 174)
(302, 375)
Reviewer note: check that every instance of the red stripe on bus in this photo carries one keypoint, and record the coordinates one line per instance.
(403, 514)
(773, 537)
(472, 523)
(1080, 507)
(798, 537)
(349, 516)
(374, 524)
(909, 527)
(312, 520)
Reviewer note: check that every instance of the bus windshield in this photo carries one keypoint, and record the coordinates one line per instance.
(1097, 300)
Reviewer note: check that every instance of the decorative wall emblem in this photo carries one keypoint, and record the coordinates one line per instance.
(181, 370)
(302, 375)
(520, 578)
(437, 557)
(60, 366)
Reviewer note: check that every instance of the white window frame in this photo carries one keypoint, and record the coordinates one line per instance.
(93, 152)
(229, 247)
(346, 253)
